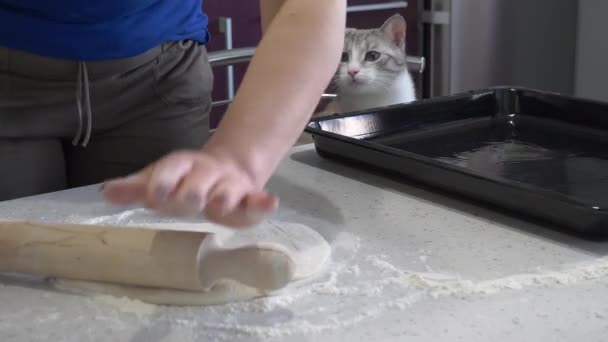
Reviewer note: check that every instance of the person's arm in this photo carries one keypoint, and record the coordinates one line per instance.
(292, 66)
(268, 9)
(294, 62)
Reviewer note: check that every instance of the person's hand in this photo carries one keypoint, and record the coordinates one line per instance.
(190, 183)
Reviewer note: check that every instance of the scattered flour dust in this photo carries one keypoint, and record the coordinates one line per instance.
(123, 217)
(126, 304)
(351, 290)
(346, 296)
(441, 285)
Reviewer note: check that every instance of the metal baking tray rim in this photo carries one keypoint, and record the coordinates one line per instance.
(314, 130)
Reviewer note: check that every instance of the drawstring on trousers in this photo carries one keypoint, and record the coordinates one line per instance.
(83, 82)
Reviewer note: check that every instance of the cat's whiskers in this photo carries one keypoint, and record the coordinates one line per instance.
(381, 83)
(385, 77)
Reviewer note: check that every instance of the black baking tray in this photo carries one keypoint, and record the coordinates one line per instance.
(537, 153)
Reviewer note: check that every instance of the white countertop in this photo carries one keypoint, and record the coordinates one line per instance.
(408, 264)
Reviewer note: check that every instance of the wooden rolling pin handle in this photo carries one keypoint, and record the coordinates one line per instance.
(137, 256)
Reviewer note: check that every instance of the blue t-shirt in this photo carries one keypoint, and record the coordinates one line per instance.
(89, 30)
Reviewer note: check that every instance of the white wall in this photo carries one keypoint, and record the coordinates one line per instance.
(592, 50)
(530, 43)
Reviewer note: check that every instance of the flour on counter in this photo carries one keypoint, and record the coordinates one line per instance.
(354, 288)
(440, 284)
(342, 298)
(119, 218)
(125, 304)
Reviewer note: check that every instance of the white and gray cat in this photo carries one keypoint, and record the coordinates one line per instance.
(373, 71)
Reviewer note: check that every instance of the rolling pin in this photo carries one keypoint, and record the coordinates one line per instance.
(137, 256)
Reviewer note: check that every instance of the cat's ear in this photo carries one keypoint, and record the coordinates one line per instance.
(395, 28)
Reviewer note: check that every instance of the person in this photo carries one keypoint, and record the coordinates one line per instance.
(118, 92)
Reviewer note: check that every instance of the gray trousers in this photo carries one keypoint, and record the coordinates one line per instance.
(66, 123)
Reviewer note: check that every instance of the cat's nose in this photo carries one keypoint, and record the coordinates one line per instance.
(353, 72)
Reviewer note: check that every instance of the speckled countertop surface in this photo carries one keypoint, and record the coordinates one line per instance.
(408, 264)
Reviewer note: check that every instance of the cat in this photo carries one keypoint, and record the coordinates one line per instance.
(373, 71)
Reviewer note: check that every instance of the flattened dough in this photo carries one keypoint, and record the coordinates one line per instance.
(306, 247)
(222, 293)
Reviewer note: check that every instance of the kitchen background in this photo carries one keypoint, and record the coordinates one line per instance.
(554, 45)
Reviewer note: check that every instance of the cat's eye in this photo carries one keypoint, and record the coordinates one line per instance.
(372, 56)
(344, 56)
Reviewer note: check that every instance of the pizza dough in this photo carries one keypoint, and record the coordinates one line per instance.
(224, 292)
(307, 248)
